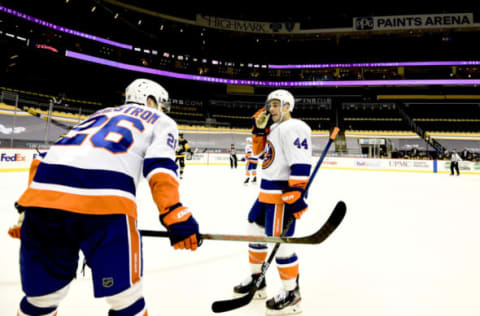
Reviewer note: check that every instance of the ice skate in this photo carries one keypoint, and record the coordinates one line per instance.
(246, 181)
(285, 303)
(254, 180)
(244, 287)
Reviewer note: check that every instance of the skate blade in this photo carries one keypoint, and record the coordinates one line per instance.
(259, 295)
(290, 310)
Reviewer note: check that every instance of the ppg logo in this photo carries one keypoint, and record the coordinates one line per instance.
(364, 23)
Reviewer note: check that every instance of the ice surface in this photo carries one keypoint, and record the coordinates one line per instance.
(409, 245)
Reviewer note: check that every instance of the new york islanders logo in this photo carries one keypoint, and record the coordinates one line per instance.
(269, 155)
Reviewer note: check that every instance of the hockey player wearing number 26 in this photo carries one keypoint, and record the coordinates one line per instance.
(286, 145)
(81, 196)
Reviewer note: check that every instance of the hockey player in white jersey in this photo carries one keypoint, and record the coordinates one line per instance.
(81, 196)
(251, 162)
(286, 145)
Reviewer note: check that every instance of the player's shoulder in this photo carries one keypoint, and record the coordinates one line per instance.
(167, 119)
(296, 124)
(164, 121)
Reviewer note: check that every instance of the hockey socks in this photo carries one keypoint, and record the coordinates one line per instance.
(136, 309)
(28, 309)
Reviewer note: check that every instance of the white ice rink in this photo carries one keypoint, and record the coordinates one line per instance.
(409, 246)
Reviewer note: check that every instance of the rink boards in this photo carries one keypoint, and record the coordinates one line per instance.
(20, 159)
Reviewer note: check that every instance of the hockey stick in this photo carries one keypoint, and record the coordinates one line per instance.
(315, 238)
(228, 305)
(53, 121)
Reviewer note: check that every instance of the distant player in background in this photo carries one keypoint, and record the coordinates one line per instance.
(182, 149)
(233, 157)
(287, 148)
(251, 162)
(81, 196)
(455, 158)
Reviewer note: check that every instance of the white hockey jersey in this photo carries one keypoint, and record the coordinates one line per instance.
(248, 150)
(249, 157)
(95, 167)
(287, 159)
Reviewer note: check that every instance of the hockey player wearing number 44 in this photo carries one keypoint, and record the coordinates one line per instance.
(286, 145)
(81, 196)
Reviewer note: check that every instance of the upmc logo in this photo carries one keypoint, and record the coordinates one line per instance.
(364, 23)
(14, 157)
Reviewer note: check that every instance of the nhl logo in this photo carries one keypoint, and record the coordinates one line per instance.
(107, 282)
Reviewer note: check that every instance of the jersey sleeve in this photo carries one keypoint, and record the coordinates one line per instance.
(258, 144)
(159, 167)
(34, 166)
(32, 171)
(297, 144)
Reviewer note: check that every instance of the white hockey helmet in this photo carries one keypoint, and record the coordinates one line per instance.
(283, 96)
(140, 89)
(248, 140)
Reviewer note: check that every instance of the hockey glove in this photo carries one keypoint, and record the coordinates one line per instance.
(295, 203)
(183, 228)
(261, 122)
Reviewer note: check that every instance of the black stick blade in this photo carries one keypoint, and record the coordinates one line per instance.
(228, 305)
(329, 227)
(332, 223)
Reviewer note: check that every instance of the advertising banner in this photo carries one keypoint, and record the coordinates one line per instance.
(399, 165)
(402, 22)
(16, 159)
(463, 166)
(247, 26)
(20, 160)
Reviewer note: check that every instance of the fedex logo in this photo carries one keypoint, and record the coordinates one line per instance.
(14, 157)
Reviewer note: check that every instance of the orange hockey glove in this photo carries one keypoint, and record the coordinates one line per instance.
(183, 228)
(295, 203)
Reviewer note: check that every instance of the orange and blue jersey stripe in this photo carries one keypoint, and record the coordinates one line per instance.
(79, 190)
(100, 192)
(152, 166)
(299, 175)
(271, 191)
